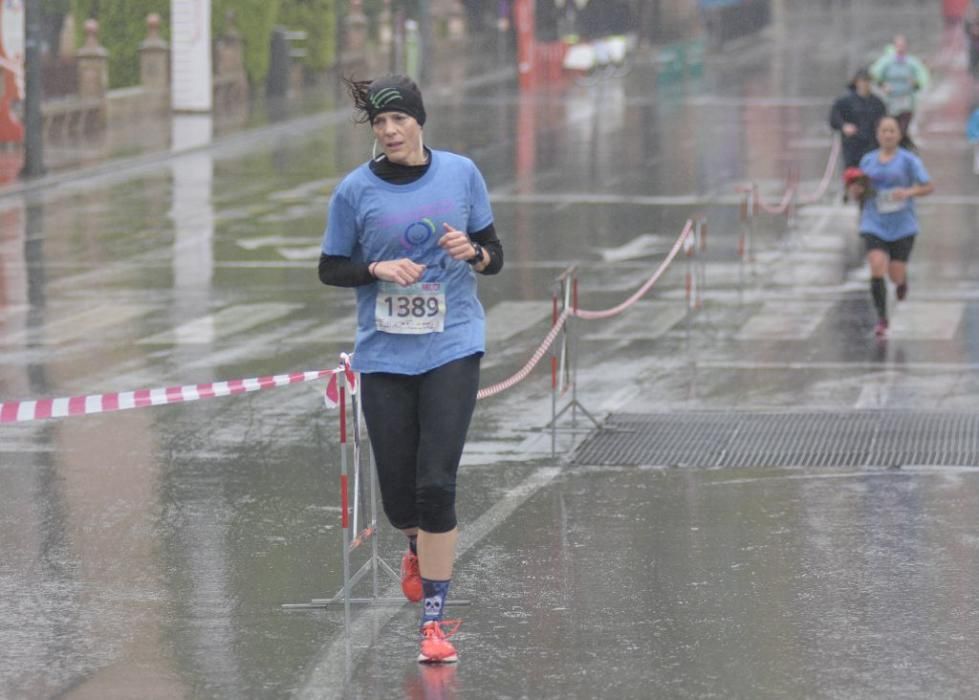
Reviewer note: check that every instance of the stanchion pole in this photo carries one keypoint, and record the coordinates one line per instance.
(698, 265)
(553, 402)
(554, 319)
(744, 214)
(362, 455)
(573, 349)
(344, 501)
(565, 371)
(351, 538)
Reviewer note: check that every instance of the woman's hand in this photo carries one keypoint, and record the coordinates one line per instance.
(914, 191)
(402, 271)
(456, 244)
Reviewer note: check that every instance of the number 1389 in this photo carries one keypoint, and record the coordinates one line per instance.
(419, 307)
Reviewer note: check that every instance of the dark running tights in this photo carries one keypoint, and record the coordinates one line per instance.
(417, 426)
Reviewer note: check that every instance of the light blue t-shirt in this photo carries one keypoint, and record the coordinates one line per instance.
(370, 219)
(890, 220)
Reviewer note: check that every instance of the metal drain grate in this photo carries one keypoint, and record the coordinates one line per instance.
(839, 439)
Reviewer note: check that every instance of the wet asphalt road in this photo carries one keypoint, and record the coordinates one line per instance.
(146, 553)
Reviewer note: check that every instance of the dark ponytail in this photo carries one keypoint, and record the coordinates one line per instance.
(358, 91)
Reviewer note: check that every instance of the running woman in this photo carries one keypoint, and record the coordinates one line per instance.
(410, 230)
(888, 222)
(901, 76)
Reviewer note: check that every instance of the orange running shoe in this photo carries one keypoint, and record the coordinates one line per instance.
(435, 645)
(411, 578)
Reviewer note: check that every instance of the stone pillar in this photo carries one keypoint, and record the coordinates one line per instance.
(154, 58)
(229, 62)
(385, 25)
(229, 59)
(93, 65)
(355, 38)
(456, 21)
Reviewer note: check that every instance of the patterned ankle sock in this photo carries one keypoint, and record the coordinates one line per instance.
(435, 593)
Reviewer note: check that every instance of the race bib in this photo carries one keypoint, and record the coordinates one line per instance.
(887, 204)
(413, 310)
(900, 103)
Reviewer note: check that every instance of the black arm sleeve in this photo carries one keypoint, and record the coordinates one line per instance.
(341, 271)
(493, 247)
(836, 119)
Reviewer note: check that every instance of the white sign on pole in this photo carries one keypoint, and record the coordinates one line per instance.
(190, 55)
(12, 42)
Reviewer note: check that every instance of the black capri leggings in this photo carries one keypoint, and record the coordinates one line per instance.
(417, 426)
(898, 251)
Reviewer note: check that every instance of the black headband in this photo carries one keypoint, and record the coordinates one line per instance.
(395, 93)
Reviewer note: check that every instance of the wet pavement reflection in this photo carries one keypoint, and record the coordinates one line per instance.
(147, 553)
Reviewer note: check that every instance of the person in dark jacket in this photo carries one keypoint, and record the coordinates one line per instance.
(855, 116)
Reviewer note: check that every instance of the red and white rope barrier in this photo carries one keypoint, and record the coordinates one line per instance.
(29, 410)
(520, 375)
(779, 208)
(791, 189)
(834, 156)
(20, 411)
(639, 293)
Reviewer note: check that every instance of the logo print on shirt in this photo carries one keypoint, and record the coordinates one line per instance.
(417, 234)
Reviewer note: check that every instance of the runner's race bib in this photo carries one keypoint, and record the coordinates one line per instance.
(887, 204)
(412, 310)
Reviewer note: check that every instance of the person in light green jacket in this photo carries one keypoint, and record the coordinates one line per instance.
(901, 76)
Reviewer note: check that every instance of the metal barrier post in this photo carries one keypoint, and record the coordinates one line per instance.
(344, 500)
(573, 352)
(351, 539)
(701, 266)
(554, 373)
(567, 287)
(745, 215)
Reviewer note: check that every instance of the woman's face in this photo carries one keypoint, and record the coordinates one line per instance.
(888, 133)
(400, 135)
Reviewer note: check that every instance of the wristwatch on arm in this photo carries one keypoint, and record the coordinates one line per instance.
(478, 257)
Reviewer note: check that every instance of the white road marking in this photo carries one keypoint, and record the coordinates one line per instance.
(80, 323)
(641, 246)
(331, 671)
(785, 321)
(509, 318)
(660, 318)
(227, 322)
(926, 320)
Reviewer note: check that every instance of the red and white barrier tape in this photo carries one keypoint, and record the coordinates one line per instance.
(560, 320)
(834, 156)
(792, 186)
(20, 411)
(494, 389)
(779, 208)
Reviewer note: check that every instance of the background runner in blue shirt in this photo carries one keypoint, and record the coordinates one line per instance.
(888, 221)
